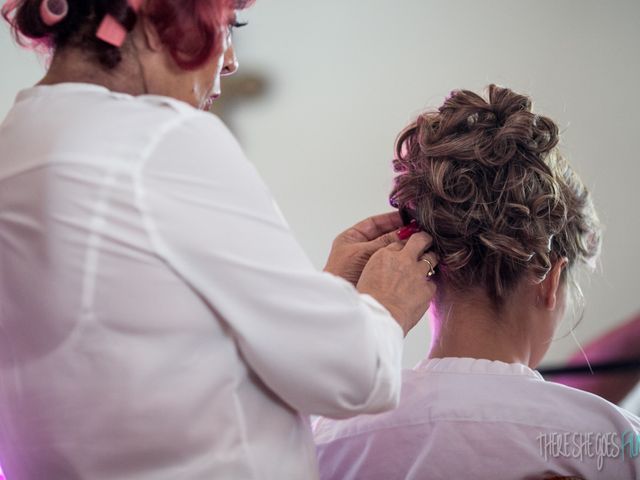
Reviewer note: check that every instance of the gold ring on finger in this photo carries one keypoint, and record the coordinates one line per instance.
(431, 271)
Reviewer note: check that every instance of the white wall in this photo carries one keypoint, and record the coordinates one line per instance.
(347, 75)
(18, 68)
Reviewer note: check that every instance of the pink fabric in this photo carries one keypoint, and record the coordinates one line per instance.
(472, 419)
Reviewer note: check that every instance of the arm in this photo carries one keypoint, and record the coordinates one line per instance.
(318, 344)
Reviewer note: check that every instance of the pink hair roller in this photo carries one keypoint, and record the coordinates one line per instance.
(135, 4)
(111, 31)
(53, 11)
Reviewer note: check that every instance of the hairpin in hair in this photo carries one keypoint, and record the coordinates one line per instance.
(111, 30)
(53, 11)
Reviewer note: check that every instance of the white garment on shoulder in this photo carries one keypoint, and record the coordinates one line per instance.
(632, 401)
(158, 319)
(479, 419)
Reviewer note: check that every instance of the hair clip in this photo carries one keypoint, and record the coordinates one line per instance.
(111, 30)
(408, 230)
(53, 11)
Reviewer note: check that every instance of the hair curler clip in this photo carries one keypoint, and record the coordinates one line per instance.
(53, 11)
(111, 30)
(408, 230)
(135, 5)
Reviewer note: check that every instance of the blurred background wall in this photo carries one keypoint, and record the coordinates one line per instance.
(325, 86)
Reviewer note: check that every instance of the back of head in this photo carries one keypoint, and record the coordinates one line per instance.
(191, 31)
(486, 180)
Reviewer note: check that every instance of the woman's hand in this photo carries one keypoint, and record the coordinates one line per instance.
(398, 277)
(353, 248)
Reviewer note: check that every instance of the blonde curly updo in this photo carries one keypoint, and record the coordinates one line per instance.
(486, 180)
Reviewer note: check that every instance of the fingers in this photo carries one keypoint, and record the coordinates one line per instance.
(399, 275)
(428, 260)
(383, 241)
(417, 244)
(373, 227)
(395, 246)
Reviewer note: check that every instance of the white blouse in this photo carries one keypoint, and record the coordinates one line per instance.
(476, 419)
(632, 401)
(158, 320)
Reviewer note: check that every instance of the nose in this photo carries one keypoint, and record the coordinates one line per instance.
(230, 65)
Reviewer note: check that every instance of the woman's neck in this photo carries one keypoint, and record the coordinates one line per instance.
(72, 65)
(474, 328)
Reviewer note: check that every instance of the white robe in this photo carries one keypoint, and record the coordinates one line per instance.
(476, 419)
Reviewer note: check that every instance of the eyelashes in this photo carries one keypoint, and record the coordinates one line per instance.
(235, 24)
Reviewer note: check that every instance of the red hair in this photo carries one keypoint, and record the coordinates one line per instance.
(190, 29)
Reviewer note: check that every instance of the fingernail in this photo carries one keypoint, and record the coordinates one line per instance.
(407, 231)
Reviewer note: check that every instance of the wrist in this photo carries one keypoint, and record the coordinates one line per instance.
(396, 313)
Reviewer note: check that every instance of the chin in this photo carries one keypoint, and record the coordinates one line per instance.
(208, 102)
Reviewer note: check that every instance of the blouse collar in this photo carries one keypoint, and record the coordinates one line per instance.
(481, 366)
(69, 87)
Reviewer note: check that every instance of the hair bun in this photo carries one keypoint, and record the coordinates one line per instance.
(518, 130)
(484, 178)
(503, 128)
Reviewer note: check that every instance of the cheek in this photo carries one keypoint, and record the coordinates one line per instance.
(216, 69)
(213, 67)
(208, 77)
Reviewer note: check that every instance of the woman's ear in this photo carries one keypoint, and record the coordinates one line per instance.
(150, 35)
(551, 284)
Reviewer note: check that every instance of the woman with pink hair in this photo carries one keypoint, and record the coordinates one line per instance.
(158, 319)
